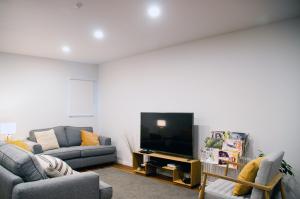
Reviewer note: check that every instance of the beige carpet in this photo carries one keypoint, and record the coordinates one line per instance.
(130, 186)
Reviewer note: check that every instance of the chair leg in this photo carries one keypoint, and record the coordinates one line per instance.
(267, 195)
(282, 190)
(202, 191)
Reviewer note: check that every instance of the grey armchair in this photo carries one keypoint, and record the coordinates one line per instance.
(268, 176)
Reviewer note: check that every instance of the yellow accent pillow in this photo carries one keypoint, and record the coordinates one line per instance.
(19, 143)
(89, 138)
(248, 173)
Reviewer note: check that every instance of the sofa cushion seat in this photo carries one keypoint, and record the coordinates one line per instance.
(65, 153)
(90, 151)
(222, 189)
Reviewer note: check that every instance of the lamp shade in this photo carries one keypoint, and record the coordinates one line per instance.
(8, 128)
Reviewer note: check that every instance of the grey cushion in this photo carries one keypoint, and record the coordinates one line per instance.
(221, 189)
(91, 161)
(59, 132)
(36, 148)
(21, 163)
(74, 134)
(65, 153)
(105, 190)
(268, 168)
(89, 151)
(104, 140)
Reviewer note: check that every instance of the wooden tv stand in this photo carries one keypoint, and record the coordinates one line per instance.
(191, 167)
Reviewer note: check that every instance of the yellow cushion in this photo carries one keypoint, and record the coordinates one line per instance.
(89, 138)
(248, 173)
(19, 143)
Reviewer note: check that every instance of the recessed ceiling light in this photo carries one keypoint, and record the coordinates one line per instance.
(66, 49)
(154, 11)
(98, 34)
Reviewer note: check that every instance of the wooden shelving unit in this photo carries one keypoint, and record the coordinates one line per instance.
(192, 167)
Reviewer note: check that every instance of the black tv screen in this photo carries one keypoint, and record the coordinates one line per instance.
(168, 132)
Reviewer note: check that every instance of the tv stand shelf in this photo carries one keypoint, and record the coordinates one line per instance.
(191, 167)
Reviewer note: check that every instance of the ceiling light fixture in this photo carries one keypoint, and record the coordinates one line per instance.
(98, 34)
(154, 11)
(78, 5)
(66, 49)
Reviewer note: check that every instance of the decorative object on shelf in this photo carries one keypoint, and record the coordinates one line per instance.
(285, 168)
(129, 142)
(8, 129)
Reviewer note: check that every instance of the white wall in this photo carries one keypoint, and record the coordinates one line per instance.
(247, 81)
(34, 91)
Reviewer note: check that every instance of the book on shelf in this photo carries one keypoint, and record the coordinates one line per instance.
(210, 155)
(223, 146)
(231, 156)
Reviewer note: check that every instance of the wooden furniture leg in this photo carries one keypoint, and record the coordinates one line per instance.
(202, 192)
(282, 190)
(267, 195)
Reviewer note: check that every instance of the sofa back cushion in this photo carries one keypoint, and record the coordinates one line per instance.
(59, 132)
(268, 169)
(21, 163)
(74, 134)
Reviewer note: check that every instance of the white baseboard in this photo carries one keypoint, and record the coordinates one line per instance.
(124, 162)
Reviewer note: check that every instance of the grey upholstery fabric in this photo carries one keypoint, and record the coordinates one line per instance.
(105, 190)
(79, 186)
(21, 163)
(65, 153)
(221, 189)
(268, 168)
(90, 151)
(104, 140)
(74, 134)
(59, 132)
(90, 161)
(7, 182)
(36, 148)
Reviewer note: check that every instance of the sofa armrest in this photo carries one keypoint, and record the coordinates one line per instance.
(35, 147)
(77, 186)
(7, 182)
(104, 140)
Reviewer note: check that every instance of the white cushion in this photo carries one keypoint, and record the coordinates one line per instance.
(47, 139)
(222, 189)
(54, 167)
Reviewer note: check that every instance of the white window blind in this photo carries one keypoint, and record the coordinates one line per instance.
(81, 98)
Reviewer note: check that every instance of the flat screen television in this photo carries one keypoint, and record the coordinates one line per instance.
(168, 132)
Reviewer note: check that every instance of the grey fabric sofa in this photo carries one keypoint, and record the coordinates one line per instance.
(21, 177)
(70, 151)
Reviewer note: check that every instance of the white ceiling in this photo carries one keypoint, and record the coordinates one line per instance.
(41, 27)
